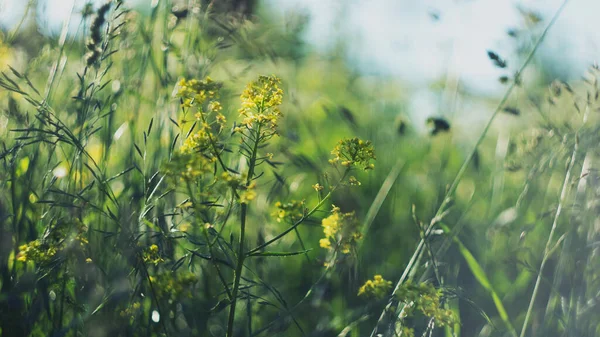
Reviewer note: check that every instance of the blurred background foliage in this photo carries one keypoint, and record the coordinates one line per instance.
(502, 211)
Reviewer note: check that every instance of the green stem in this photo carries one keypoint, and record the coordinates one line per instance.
(299, 221)
(241, 254)
(210, 244)
(162, 314)
(238, 271)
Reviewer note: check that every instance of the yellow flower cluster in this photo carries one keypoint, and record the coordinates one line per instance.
(425, 298)
(131, 310)
(36, 251)
(152, 255)
(340, 229)
(81, 234)
(289, 212)
(197, 92)
(354, 152)
(331, 224)
(353, 181)
(189, 166)
(248, 193)
(378, 287)
(197, 142)
(260, 102)
(173, 286)
(62, 237)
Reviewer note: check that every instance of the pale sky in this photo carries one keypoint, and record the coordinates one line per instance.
(400, 39)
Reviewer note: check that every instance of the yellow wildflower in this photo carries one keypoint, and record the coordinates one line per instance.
(260, 102)
(152, 255)
(342, 229)
(194, 92)
(289, 212)
(331, 224)
(378, 287)
(354, 152)
(325, 243)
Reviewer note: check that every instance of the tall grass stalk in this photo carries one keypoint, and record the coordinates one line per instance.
(550, 244)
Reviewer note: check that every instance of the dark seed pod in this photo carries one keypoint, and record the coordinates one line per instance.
(99, 20)
(92, 57)
(498, 61)
(104, 9)
(347, 115)
(512, 111)
(437, 125)
(180, 13)
(90, 45)
(401, 125)
(556, 88)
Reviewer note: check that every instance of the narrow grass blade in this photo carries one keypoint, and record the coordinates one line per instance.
(483, 280)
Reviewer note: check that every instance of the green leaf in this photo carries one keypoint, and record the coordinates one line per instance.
(280, 253)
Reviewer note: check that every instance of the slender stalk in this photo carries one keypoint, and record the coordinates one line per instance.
(241, 254)
(238, 271)
(153, 292)
(210, 243)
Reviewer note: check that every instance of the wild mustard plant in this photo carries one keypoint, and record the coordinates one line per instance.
(289, 212)
(260, 105)
(378, 287)
(354, 152)
(426, 299)
(152, 255)
(341, 231)
(206, 169)
(66, 240)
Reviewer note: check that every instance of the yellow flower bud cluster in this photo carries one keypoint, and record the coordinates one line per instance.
(37, 252)
(426, 299)
(187, 166)
(67, 238)
(289, 212)
(260, 102)
(174, 286)
(248, 194)
(197, 142)
(378, 287)
(238, 182)
(354, 152)
(341, 230)
(131, 310)
(197, 92)
(152, 255)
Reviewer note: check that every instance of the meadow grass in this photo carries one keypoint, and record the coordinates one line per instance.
(185, 173)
